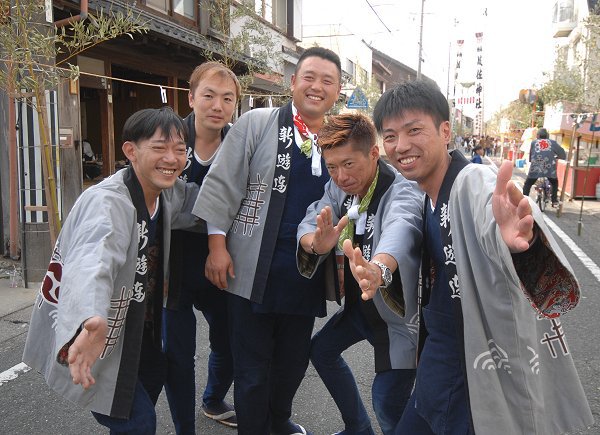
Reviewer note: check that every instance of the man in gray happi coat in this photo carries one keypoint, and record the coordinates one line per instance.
(383, 210)
(493, 356)
(254, 196)
(95, 329)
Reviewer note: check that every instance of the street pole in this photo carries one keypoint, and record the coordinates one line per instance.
(420, 41)
(567, 169)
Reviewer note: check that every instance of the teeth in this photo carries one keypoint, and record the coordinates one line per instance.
(167, 171)
(312, 97)
(408, 160)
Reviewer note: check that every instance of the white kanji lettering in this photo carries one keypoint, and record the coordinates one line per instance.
(286, 134)
(283, 161)
(279, 184)
(370, 225)
(444, 216)
(367, 252)
(143, 234)
(453, 283)
(141, 266)
(138, 292)
(449, 252)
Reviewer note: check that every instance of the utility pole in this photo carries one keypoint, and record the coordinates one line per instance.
(421, 41)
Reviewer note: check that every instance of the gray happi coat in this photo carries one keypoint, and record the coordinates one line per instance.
(520, 372)
(91, 273)
(397, 231)
(249, 151)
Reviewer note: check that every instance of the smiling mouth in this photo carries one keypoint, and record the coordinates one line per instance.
(314, 98)
(167, 171)
(408, 160)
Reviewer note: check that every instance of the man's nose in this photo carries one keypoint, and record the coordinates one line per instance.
(217, 104)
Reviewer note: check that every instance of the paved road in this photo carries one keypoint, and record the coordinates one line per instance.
(27, 406)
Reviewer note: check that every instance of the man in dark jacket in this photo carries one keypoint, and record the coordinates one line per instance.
(543, 155)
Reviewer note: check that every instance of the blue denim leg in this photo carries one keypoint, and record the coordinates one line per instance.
(411, 422)
(179, 341)
(142, 420)
(339, 333)
(390, 392)
(220, 361)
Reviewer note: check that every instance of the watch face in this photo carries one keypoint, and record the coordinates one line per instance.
(386, 274)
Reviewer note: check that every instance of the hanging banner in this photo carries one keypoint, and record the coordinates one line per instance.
(478, 126)
(459, 55)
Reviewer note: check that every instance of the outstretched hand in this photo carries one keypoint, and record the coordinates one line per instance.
(512, 211)
(326, 235)
(86, 349)
(367, 275)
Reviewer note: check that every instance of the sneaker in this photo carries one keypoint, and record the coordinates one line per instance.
(554, 204)
(291, 428)
(222, 413)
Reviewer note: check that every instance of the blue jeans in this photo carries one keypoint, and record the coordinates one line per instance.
(270, 354)
(179, 332)
(390, 389)
(151, 377)
(142, 420)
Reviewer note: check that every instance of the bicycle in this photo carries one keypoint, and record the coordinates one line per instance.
(544, 190)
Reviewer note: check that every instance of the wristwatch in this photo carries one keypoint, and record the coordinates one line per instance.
(386, 274)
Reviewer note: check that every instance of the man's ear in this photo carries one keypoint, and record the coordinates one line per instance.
(445, 130)
(374, 151)
(191, 99)
(129, 149)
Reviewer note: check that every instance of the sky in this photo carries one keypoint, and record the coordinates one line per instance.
(517, 38)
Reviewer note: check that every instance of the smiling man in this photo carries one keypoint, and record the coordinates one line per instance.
(370, 204)
(213, 96)
(494, 285)
(256, 193)
(97, 319)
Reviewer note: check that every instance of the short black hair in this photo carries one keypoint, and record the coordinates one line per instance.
(144, 123)
(323, 53)
(542, 133)
(419, 95)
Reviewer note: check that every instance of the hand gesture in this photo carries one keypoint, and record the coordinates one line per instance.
(512, 211)
(326, 235)
(86, 349)
(367, 275)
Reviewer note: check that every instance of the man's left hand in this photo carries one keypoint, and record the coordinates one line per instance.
(512, 211)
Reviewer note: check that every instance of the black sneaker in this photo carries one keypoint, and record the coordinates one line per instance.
(222, 412)
(290, 428)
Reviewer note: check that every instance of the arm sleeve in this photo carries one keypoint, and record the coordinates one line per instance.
(225, 184)
(307, 263)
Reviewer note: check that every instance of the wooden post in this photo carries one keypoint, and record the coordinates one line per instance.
(567, 169)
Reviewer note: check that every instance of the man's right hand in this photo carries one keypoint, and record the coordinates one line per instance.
(218, 263)
(86, 349)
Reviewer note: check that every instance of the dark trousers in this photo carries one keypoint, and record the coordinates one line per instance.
(151, 377)
(180, 348)
(390, 390)
(529, 182)
(270, 357)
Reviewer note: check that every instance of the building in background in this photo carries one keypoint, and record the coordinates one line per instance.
(124, 75)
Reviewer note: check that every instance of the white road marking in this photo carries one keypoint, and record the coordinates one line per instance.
(587, 261)
(13, 373)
